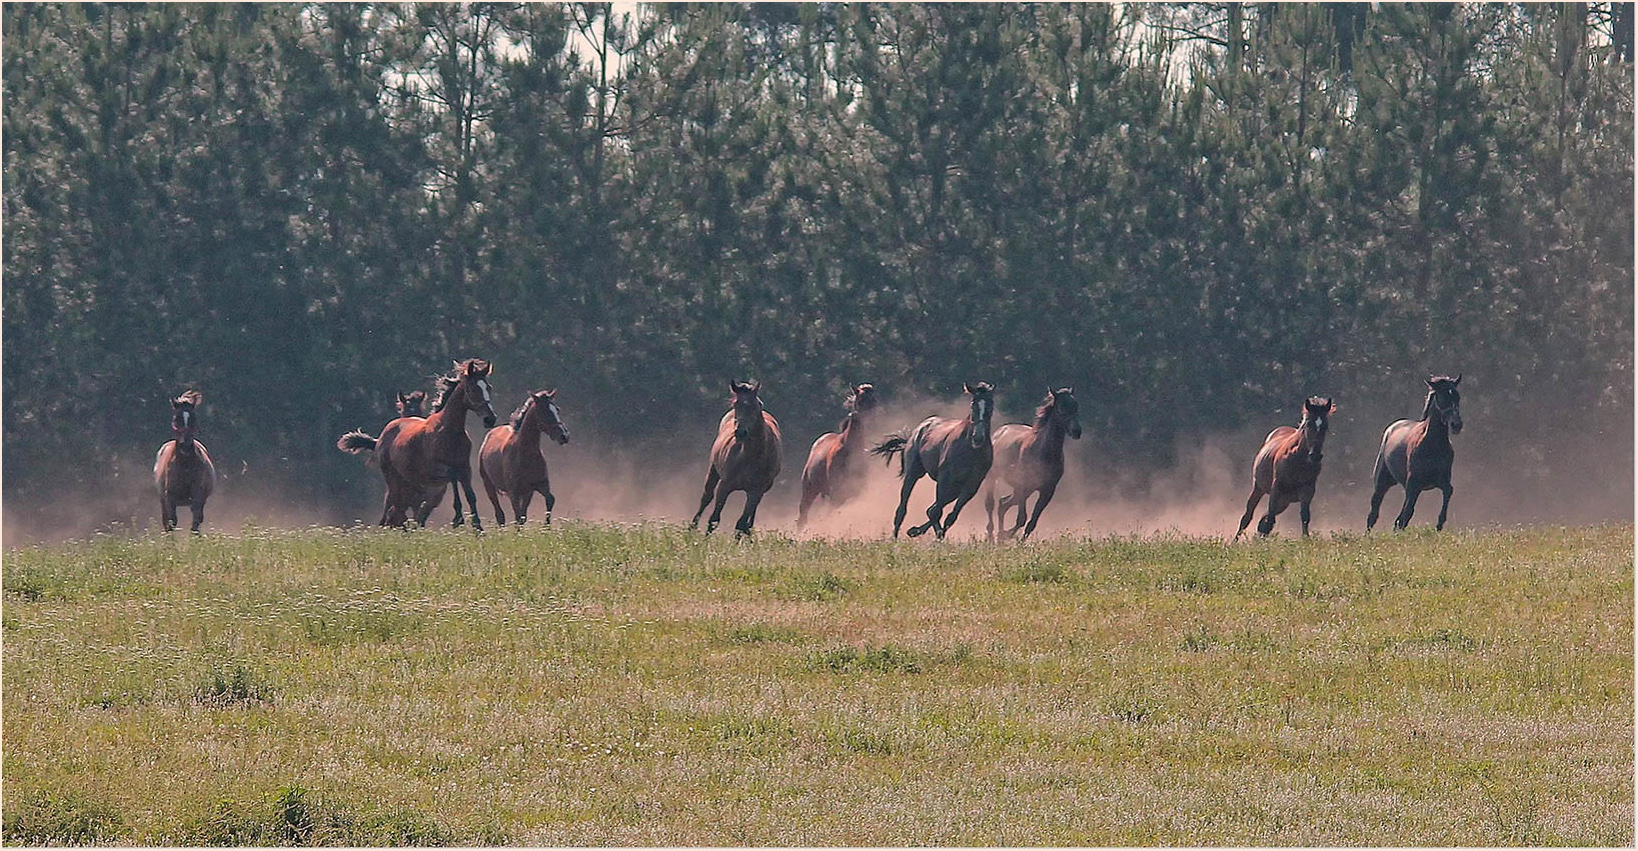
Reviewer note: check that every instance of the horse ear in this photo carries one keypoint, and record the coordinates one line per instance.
(1457, 381)
(459, 367)
(966, 388)
(1430, 382)
(756, 386)
(551, 393)
(1333, 407)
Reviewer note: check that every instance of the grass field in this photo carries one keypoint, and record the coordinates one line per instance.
(642, 685)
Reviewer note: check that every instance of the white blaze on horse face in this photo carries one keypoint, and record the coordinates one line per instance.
(484, 386)
(556, 417)
(185, 418)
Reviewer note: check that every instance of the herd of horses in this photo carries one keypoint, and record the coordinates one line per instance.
(421, 455)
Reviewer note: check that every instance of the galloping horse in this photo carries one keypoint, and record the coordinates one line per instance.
(1288, 465)
(744, 457)
(1418, 455)
(412, 404)
(831, 458)
(420, 457)
(955, 453)
(1031, 458)
(183, 473)
(510, 461)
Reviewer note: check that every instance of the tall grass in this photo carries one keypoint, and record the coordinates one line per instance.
(642, 685)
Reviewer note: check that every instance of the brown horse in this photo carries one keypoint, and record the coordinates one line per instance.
(1288, 465)
(744, 457)
(1031, 458)
(419, 457)
(183, 473)
(510, 461)
(1418, 455)
(956, 453)
(827, 473)
(412, 404)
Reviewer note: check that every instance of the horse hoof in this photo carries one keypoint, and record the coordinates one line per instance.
(915, 531)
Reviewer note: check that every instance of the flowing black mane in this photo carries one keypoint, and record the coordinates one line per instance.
(516, 420)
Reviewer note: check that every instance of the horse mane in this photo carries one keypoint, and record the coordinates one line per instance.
(190, 397)
(1045, 410)
(516, 420)
(446, 383)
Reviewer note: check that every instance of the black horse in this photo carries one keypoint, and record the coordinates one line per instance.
(1418, 454)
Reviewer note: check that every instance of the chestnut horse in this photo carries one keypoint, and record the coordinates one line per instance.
(1030, 458)
(1288, 465)
(183, 473)
(1418, 455)
(827, 473)
(420, 457)
(510, 461)
(956, 453)
(744, 457)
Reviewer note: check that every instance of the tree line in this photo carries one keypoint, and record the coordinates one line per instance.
(1197, 214)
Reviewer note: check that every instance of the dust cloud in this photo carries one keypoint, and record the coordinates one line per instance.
(1507, 473)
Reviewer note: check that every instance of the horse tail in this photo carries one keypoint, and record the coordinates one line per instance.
(893, 444)
(356, 442)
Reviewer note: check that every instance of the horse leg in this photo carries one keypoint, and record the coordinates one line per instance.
(747, 519)
(167, 513)
(1277, 502)
(1413, 489)
(945, 495)
(716, 511)
(912, 472)
(960, 502)
(711, 480)
(1384, 480)
(810, 492)
(1022, 499)
(471, 499)
(1307, 498)
(545, 490)
(494, 497)
(1444, 508)
(1251, 509)
(989, 510)
(1040, 505)
(198, 508)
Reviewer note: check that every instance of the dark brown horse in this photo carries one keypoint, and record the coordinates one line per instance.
(830, 472)
(510, 461)
(419, 457)
(412, 404)
(956, 453)
(183, 473)
(1418, 455)
(745, 457)
(1030, 458)
(1288, 465)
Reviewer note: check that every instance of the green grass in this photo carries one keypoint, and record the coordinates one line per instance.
(642, 685)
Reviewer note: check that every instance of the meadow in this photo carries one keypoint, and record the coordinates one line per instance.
(639, 684)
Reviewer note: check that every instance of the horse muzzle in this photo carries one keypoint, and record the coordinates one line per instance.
(1456, 425)
(562, 437)
(1074, 431)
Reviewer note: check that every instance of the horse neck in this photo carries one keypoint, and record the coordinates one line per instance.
(1437, 429)
(1306, 437)
(852, 423)
(528, 429)
(1049, 434)
(452, 416)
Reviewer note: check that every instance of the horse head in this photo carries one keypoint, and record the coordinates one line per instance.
(472, 375)
(546, 416)
(412, 404)
(1316, 419)
(185, 418)
(983, 394)
(747, 407)
(861, 399)
(1062, 410)
(1445, 401)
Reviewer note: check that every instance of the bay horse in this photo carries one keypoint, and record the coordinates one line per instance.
(412, 404)
(419, 457)
(1418, 454)
(957, 454)
(1030, 458)
(827, 473)
(745, 456)
(183, 473)
(510, 461)
(1288, 465)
